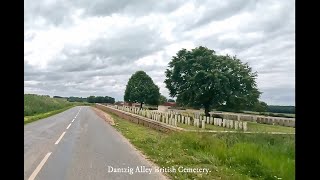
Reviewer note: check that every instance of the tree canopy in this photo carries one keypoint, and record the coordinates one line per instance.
(200, 77)
(141, 89)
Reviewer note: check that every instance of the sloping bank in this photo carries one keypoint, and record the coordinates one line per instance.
(192, 155)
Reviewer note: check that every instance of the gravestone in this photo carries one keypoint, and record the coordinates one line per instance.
(231, 124)
(236, 124)
(203, 126)
(245, 127)
(240, 125)
(211, 120)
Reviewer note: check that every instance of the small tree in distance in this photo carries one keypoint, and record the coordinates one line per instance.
(162, 99)
(141, 89)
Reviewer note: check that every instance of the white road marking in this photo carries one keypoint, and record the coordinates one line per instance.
(69, 126)
(73, 120)
(60, 138)
(37, 170)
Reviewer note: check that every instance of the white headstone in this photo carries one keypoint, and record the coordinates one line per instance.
(208, 120)
(224, 123)
(231, 124)
(240, 125)
(236, 124)
(227, 123)
(203, 126)
(244, 124)
(211, 120)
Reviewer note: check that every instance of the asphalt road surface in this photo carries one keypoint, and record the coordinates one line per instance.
(77, 144)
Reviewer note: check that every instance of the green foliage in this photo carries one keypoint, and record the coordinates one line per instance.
(76, 99)
(201, 78)
(37, 104)
(141, 89)
(100, 99)
(162, 99)
(228, 156)
(281, 109)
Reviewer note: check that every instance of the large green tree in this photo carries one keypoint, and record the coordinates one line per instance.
(200, 77)
(141, 89)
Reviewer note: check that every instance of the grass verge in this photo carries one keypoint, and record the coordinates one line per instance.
(228, 156)
(29, 119)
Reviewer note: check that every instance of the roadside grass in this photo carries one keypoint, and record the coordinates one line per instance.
(252, 127)
(38, 104)
(228, 155)
(38, 107)
(29, 119)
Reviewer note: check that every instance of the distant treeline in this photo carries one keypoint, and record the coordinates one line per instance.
(92, 99)
(281, 109)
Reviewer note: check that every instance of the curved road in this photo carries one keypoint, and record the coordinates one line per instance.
(77, 144)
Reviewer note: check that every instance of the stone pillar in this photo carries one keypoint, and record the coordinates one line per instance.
(219, 121)
(188, 119)
(208, 120)
(236, 124)
(203, 125)
(245, 127)
(179, 118)
(227, 123)
(175, 122)
(224, 123)
(211, 120)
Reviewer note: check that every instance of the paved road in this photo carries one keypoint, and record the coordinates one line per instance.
(77, 144)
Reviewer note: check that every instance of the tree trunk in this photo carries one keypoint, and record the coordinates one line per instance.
(141, 106)
(206, 110)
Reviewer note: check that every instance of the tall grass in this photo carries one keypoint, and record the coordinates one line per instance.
(229, 156)
(37, 104)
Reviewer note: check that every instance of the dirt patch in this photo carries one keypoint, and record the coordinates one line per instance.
(104, 115)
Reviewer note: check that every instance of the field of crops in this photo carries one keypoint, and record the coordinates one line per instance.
(37, 104)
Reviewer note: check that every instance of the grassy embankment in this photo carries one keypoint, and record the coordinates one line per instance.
(38, 107)
(228, 156)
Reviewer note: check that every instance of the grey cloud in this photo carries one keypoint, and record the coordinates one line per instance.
(105, 65)
(215, 11)
(59, 12)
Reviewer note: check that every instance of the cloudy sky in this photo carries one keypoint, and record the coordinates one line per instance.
(92, 47)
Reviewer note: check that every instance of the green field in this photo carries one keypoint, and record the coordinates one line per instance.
(228, 156)
(37, 104)
(38, 107)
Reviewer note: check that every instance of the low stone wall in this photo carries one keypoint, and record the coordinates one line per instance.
(139, 119)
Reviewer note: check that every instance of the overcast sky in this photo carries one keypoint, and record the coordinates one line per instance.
(92, 47)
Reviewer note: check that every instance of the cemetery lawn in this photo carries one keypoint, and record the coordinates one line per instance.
(252, 127)
(227, 155)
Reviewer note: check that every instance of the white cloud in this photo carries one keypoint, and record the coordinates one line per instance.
(82, 48)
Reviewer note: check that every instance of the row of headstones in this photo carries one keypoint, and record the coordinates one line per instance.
(276, 121)
(231, 124)
(172, 118)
